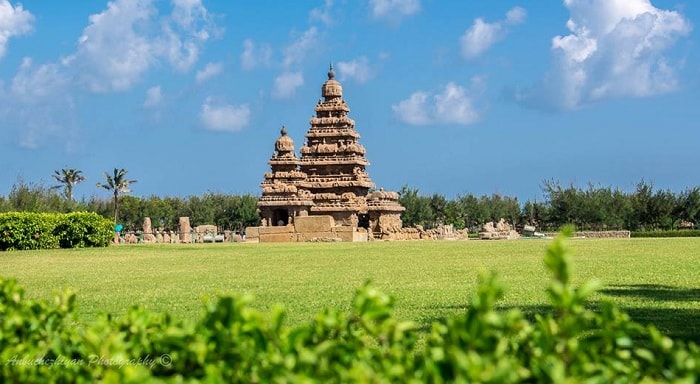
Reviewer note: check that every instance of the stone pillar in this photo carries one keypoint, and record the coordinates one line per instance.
(147, 228)
(148, 236)
(185, 230)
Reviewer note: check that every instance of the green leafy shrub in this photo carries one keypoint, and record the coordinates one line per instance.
(29, 230)
(232, 342)
(83, 229)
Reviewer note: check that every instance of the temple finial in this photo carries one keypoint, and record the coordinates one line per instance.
(331, 72)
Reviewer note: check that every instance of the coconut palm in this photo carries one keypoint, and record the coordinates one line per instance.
(68, 178)
(118, 184)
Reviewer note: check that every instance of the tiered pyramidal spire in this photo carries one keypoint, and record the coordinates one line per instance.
(330, 178)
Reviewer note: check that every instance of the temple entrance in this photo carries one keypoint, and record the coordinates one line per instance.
(280, 217)
(363, 221)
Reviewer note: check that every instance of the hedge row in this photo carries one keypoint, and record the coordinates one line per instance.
(234, 343)
(28, 230)
(678, 233)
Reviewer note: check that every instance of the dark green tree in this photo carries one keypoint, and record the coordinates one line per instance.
(33, 197)
(688, 208)
(418, 211)
(438, 206)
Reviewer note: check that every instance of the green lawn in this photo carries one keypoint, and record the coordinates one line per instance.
(655, 280)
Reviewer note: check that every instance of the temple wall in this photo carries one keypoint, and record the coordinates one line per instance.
(307, 228)
(313, 223)
(345, 218)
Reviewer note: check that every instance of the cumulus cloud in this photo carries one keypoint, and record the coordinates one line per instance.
(516, 15)
(286, 84)
(184, 31)
(357, 69)
(253, 55)
(32, 83)
(615, 48)
(323, 13)
(393, 10)
(482, 35)
(154, 97)
(210, 70)
(453, 104)
(224, 117)
(31, 104)
(117, 47)
(129, 37)
(295, 52)
(14, 21)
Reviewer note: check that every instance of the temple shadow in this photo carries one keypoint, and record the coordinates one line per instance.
(676, 323)
(655, 292)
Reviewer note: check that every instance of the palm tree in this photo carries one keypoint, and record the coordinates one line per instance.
(68, 178)
(118, 184)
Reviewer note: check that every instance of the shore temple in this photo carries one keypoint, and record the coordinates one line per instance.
(325, 194)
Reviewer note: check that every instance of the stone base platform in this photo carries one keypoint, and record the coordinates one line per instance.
(306, 229)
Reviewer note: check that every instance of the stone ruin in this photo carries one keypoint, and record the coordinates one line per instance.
(185, 234)
(325, 193)
(501, 231)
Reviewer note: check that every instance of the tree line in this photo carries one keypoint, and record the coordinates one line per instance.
(228, 212)
(591, 208)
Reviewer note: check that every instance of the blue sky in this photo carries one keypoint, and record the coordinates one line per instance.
(450, 97)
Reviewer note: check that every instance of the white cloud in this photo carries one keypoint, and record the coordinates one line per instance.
(393, 10)
(32, 84)
(210, 70)
(482, 35)
(516, 15)
(124, 41)
(615, 49)
(112, 49)
(286, 84)
(414, 110)
(14, 21)
(454, 104)
(322, 14)
(253, 55)
(39, 106)
(357, 69)
(115, 50)
(224, 117)
(183, 33)
(295, 53)
(154, 97)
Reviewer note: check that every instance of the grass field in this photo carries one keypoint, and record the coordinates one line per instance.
(655, 280)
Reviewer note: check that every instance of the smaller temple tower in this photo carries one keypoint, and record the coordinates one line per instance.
(281, 198)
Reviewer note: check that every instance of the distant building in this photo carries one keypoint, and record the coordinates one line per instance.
(325, 193)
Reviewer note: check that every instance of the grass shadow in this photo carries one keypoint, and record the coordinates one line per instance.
(655, 292)
(679, 322)
(676, 323)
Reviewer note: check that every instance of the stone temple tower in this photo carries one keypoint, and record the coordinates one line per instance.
(329, 179)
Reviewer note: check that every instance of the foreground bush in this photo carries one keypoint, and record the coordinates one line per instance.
(29, 230)
(233, 342)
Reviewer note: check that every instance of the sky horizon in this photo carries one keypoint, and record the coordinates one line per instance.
(449, 97)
